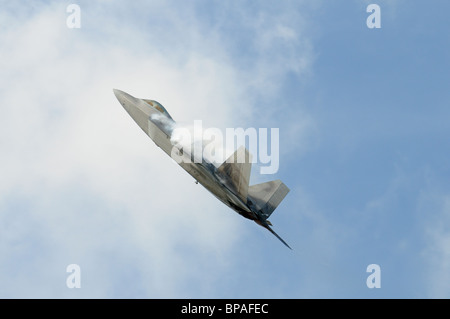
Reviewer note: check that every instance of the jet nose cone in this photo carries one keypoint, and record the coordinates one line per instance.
(118, 93)
(136, 108)
(124, 98)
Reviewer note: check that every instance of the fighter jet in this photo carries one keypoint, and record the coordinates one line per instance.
(229, 182)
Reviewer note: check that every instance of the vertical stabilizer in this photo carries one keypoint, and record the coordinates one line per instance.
(237, 171)
(267, 196)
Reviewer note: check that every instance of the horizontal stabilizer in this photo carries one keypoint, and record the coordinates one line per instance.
(267, 196)
(236, 169)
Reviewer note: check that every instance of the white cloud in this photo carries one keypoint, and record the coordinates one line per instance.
(80, 183)
(435, 210)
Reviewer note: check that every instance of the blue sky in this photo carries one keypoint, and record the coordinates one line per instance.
(363, 117)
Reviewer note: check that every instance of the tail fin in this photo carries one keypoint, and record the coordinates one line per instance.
(267, 196)
(237, 170)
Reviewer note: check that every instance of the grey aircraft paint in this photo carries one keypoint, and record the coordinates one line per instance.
(228, 182)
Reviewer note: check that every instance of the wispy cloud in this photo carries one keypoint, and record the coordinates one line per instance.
(81, 183)
(435, 210)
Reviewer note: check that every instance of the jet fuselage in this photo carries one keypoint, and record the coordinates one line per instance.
(158, 125)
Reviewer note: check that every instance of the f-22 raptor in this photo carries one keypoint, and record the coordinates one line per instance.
(229, 182)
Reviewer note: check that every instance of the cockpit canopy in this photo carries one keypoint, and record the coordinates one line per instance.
(158, 106)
